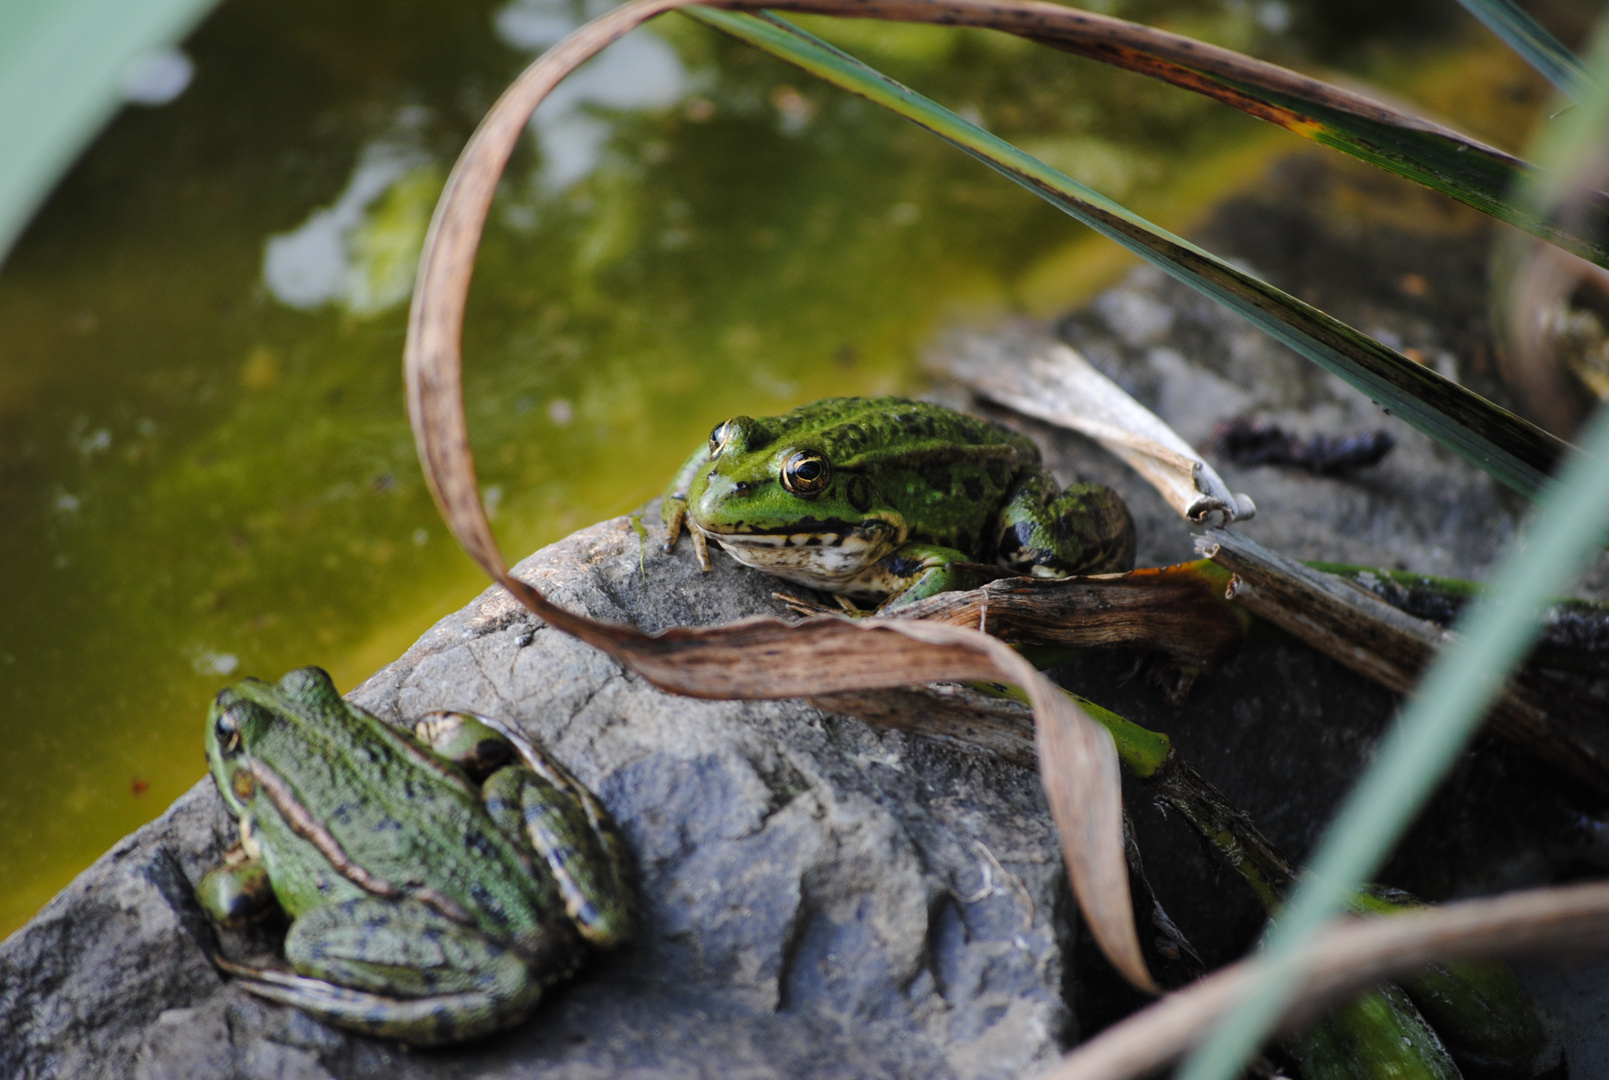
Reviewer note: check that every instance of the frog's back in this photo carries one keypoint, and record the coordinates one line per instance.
(405, 819)
(946, 473)
(862, 433)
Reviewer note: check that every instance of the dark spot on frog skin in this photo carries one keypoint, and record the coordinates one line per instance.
(859, 493)
(999, 474)
(487, 904)
(937, 478)
(1015, 543)
(916, 425)
(902, 566)
(478, 843)
(849, 439)
(974, 488)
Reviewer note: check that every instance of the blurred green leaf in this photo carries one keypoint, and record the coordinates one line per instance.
(1511, 449)
(1534, 43)
(62, 66)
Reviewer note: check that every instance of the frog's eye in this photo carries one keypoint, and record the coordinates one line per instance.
(721, 436)
(806, 473)
(226, 729)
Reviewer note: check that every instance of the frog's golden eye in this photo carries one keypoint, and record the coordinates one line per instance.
(806, 473)
(721, 436)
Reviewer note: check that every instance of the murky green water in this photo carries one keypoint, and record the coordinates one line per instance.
(205, 470)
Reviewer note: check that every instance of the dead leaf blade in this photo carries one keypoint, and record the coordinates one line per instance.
(755, 658)
(1355, 954)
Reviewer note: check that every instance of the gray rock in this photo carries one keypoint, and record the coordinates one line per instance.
(813, 887)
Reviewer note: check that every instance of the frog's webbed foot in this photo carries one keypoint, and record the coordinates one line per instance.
(917, 571)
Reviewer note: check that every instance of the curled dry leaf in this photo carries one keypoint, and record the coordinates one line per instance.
(1546, 362)
(1352, 955)
(754, 658)
(1053, 382)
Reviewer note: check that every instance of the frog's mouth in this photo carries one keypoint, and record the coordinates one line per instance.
(821, 554)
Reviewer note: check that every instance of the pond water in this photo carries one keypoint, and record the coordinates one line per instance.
(205, 470)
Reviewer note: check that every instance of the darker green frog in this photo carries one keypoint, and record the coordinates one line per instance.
(436, 884)
(885, 500)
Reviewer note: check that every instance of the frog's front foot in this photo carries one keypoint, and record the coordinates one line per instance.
(916, 572)
(701, 549)
(675, 514)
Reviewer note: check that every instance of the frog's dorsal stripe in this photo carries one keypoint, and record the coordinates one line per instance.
(301, 822)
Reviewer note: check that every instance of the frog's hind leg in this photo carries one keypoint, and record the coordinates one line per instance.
(417, 1021)
(1083, 530)
(574, 835)
(401, 969)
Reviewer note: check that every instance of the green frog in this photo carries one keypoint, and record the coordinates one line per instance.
(436, 882)
(886, 501)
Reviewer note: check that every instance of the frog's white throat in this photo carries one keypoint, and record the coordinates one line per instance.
(827, 561)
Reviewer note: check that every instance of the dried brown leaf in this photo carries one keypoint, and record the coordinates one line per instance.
(1053, 382)
(754, 658)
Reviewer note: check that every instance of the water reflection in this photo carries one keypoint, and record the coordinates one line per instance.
(156, 78)
(361, 251)
(640, 71)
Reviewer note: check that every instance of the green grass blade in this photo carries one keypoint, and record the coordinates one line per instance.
(1389, 138)
(1514, 451)
(1497, 631)
(1531, 40)
(60, 66)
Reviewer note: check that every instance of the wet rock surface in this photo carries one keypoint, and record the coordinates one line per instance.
(827, 898)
